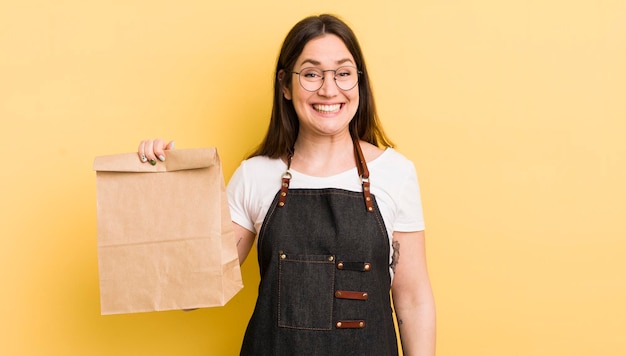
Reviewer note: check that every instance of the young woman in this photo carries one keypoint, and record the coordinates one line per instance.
(336, 210)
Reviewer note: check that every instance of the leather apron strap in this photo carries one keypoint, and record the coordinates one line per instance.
(361, 166)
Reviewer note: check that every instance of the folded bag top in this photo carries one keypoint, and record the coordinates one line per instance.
(176, 160)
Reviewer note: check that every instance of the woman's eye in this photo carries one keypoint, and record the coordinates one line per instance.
(312, 75)
(344, 73)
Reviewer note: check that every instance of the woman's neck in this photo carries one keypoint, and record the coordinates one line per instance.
(323, 157)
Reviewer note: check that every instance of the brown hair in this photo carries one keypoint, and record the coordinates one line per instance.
(284, 125)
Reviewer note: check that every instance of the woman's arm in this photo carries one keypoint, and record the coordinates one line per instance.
(244, 239)
(412, 294)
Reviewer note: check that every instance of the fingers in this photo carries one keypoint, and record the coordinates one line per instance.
(146, 151)
(157, 151)
(141, 151)
(153, 150)
(160, 147)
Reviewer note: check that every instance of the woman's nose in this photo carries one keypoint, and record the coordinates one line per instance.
(329, 86)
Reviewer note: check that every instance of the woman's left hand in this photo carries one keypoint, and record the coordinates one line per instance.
(151, 150)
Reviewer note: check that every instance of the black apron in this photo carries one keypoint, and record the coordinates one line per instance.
(324, 262)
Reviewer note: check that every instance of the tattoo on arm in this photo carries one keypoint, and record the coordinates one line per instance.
(396, 254)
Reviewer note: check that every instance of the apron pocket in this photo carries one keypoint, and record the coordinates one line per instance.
(305, 291)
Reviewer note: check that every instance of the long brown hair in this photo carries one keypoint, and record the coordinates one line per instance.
(284, 125)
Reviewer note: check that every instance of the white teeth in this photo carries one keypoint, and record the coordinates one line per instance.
(327, 108)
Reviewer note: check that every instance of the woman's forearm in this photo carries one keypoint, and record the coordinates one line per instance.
(417, 328)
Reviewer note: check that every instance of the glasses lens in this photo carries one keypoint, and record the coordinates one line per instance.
(346, 77)
(311, 79)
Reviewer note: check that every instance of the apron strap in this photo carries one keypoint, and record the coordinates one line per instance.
(361, 166)
(364, 174)
(284, 186)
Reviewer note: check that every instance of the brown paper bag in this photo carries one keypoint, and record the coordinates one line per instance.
(165, 236)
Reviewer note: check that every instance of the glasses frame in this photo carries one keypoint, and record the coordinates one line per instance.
(358, 73)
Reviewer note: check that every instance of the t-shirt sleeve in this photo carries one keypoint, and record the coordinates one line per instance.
(237, 201)
(409, 202)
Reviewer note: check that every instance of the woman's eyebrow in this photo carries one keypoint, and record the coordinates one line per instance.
(345, 60)
(311, 61)
(317, 63)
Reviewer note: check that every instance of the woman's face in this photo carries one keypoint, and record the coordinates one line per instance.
(329, 110)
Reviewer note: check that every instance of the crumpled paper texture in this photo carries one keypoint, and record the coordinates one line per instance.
(165, 236)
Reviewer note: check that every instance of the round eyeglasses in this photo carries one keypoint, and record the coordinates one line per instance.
(312, 79)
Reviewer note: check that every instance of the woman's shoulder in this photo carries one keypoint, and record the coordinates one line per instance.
(261, 162)
(371, 152)
(392, 158)
(260, 168)
(258, 159)
(374, 153)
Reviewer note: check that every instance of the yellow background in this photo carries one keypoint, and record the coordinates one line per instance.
(514, 113)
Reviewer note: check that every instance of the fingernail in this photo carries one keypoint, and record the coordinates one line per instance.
(161, 158)
(172, 146)
(152, 162)
(143, 158)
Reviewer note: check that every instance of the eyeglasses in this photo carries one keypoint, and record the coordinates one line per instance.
(312, 79)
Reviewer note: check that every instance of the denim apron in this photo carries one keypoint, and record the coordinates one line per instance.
(324, 263)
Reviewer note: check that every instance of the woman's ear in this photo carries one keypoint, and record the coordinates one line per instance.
(285, 88)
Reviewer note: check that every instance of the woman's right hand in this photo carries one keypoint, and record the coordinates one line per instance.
(153, 150)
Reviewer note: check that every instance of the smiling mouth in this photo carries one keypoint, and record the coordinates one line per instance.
(327, 109)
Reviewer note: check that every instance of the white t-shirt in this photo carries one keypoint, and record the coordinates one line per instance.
(393, 180)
